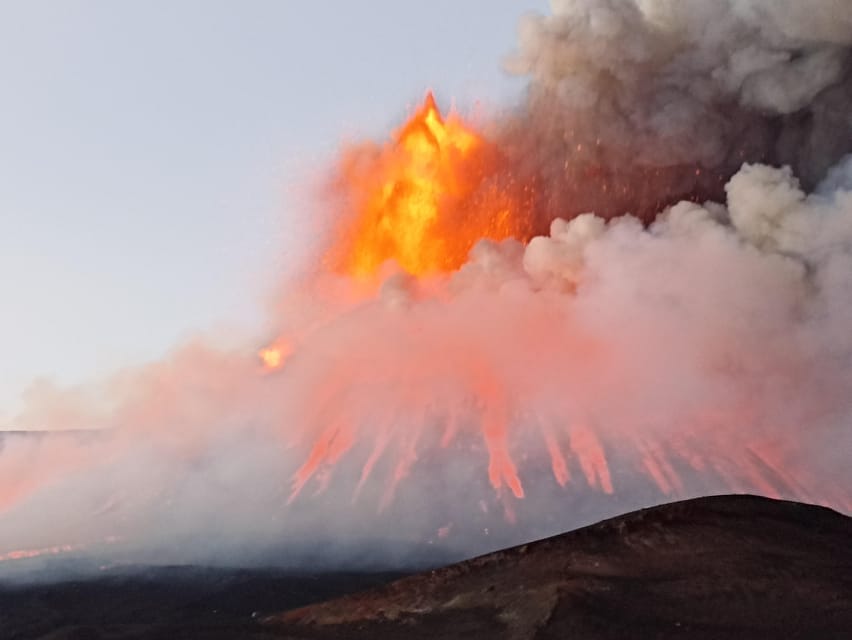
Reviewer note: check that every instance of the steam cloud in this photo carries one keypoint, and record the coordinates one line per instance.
(694, 348)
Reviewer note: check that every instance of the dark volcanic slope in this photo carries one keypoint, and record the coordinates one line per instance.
(720, 567)
(165, 603)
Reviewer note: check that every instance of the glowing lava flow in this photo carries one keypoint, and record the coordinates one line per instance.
(424, 199)
(24, 554)
(274, 356)
(54, 550)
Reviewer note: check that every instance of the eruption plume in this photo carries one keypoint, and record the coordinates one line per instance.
(636, 105)
(633, 286)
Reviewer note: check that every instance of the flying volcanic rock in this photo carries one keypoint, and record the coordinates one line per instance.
(721, 567)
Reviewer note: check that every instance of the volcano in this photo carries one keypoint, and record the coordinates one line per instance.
(630, 287)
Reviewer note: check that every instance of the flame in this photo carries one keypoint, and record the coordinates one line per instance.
(274, 356)
(424, 199)
(421, 201)
(271, 358)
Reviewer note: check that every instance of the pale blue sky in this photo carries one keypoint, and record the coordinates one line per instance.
(148, 147)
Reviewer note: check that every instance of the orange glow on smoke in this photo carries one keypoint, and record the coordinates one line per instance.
(423, 200)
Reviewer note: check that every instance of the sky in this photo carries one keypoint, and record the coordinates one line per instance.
(154, 156)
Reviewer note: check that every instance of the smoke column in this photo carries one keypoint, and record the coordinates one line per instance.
(635, 105)
(660, 310)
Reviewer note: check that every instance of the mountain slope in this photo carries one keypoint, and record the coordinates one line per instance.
(718, 567)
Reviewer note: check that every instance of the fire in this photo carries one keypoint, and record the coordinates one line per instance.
(424, 199)
(273, 356)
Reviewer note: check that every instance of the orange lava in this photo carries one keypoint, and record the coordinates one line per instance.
(423, 199)
(55, 550)
(23, 554)
(274, 356)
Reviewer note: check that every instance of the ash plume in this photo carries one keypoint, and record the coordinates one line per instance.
(677, 326)
(633, 106)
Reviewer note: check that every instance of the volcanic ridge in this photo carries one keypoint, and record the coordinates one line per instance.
(715, 567)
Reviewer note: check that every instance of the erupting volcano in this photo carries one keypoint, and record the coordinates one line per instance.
(631, 287)
(419, 207)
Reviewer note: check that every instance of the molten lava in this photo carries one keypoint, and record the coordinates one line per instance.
(424, 199)
(273, 356)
